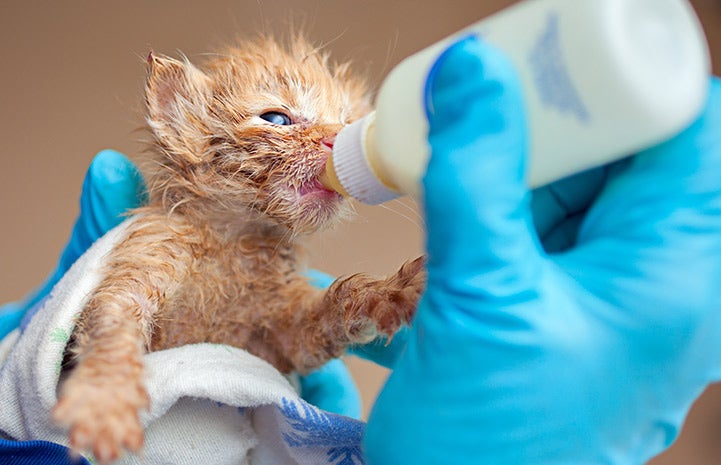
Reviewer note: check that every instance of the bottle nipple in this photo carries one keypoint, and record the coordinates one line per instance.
(329, 178)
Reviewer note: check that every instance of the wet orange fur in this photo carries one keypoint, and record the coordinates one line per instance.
(216, 254)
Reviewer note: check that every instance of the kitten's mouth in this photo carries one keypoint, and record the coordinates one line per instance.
(313, 186)
(317, 189)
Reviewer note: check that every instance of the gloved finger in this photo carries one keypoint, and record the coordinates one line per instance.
(11, 314)
(111, 187)
(332, 388)
(319, 279)
(475, 197)
(653, 235)
(382, 351)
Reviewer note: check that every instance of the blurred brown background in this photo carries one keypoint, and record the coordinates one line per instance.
(71, 82)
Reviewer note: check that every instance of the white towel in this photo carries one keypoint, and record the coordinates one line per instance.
(210, 403)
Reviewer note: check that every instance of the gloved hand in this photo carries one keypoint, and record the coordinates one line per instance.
(112, 186)
(589, 352)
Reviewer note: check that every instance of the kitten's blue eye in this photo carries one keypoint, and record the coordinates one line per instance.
(276, 117)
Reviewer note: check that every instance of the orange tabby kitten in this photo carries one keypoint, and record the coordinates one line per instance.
(215, 255)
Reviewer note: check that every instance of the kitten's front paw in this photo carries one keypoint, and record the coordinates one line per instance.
(384, 304)
(102, 417)
(399, 296)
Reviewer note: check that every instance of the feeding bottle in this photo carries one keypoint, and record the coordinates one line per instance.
(600, 79)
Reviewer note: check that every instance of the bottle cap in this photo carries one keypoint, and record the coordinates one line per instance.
(352, 167)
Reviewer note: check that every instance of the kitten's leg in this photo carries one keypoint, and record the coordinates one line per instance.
(103, 394)
(101, 398)
(353, 310)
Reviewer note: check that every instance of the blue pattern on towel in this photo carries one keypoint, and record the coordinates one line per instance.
(312, 428)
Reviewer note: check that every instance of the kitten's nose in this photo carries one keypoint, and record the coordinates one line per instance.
(328, 141)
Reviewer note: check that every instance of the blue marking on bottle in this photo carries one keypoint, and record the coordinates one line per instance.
(550, 73)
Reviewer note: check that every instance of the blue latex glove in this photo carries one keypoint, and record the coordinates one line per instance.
(588, 353)
(111, 187)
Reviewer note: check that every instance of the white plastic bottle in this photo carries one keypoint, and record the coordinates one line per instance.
(601, 79)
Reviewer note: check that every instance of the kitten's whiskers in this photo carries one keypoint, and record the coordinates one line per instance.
(411, 214)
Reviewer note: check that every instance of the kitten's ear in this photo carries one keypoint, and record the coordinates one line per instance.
(177, 95)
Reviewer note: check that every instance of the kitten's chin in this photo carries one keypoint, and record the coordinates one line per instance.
(317, 209)
(307, 208)
(315, 197)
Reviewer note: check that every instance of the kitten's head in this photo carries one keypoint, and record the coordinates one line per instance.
(250, 133)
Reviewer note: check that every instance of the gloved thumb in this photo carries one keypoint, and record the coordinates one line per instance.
(476, 201)
(111, 187)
